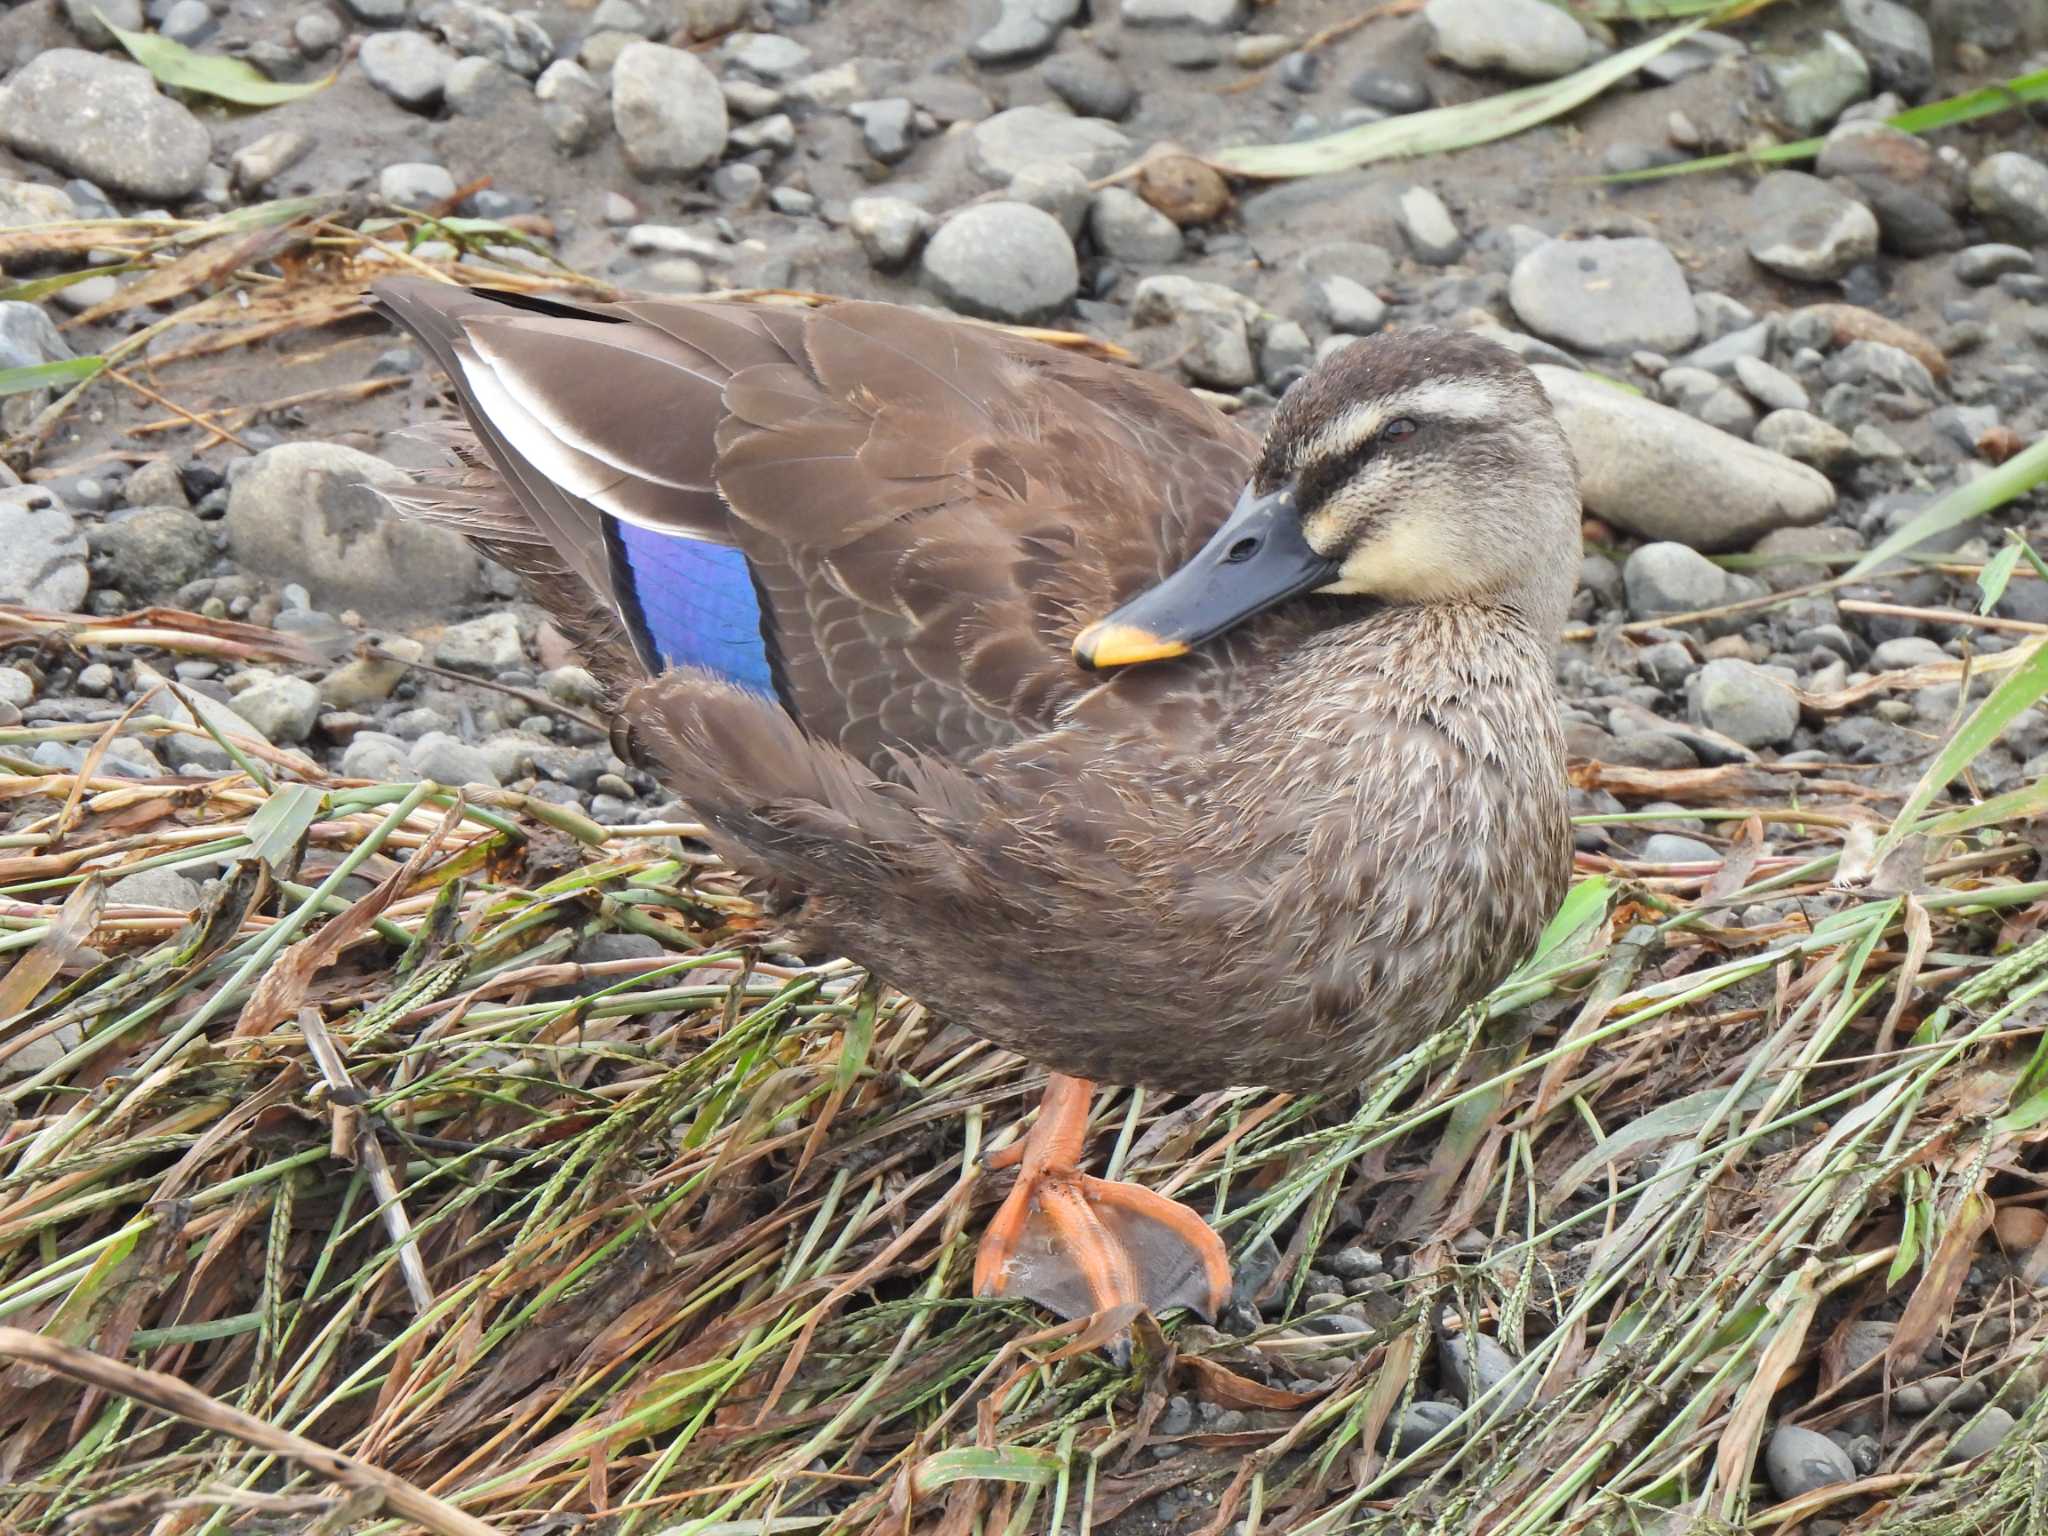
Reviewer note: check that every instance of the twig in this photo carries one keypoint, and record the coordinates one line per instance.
(1941, 616)
(169, 1395)
(346, 1097)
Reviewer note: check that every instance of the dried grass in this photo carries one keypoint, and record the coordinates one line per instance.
(362, 1152)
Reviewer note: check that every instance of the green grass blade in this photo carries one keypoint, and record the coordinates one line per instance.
(2021, 689)
(1447, 128)
(1925, 118)
(1004, 1464)
(36, 288)
(1992, 579)
(72, 370)
(210, 74)
(275, 829)
(2015, 477)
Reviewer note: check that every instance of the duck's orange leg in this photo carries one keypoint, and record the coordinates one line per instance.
(1079, 1245)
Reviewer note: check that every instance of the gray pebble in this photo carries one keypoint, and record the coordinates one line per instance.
(156, 888)
(668, 110)
(2010, 191)
(1126, 227)
(1671, 578)
(1895, 41)
(482, 647)
(316, 32)
(415, 184)
(1744, 701)
(1772, 388)
(1092, 85)
(135, 140)
(1432, 233)
(1003, 145)
(1474, 1364)
(1983, 1433)
(889, 229)
(447, 759)
(1023, 29)
(886, 129)
(281, 706)
(42, 553)
(1605, 296)
(1807, 91)
(1798, 1460)
(1524, 38)
(410, 68)
(1978, 265)
(1418, 1425)
(1802, 227)
(1003, 261)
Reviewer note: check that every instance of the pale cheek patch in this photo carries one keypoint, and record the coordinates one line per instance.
(1326, 529)
(1405, 560)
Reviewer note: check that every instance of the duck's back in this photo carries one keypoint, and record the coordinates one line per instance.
(894, 524)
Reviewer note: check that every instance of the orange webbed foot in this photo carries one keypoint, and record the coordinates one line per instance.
(1079, 1245)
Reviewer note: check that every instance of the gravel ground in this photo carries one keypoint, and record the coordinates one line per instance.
(1815, 355)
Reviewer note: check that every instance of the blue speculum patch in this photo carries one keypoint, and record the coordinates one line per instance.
(691, 604)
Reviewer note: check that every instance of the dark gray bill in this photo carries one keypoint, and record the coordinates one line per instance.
(1256, 559)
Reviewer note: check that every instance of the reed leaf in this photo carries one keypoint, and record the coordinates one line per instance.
(210, 74)
(1440, 129)
(1987, 101)
(1972, 499)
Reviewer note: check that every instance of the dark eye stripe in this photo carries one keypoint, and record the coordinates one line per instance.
(1324, 476)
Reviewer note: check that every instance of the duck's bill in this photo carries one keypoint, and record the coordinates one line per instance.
(1256, 559)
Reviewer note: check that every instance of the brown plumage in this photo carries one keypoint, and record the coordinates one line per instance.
(1280, 858)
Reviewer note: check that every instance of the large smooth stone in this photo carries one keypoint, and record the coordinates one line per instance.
(1664, 475)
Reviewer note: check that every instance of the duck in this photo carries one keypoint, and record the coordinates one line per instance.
(1152, 750)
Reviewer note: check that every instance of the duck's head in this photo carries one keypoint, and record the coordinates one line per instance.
(1421, 466)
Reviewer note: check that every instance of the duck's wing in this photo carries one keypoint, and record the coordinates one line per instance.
(918, 514)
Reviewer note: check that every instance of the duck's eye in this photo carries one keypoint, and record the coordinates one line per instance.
(1399, 427)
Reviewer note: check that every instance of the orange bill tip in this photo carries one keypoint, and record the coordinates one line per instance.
(1108, 644)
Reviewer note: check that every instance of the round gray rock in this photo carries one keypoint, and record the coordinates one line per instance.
(1606, 296)
(152, 551)
(1003, 145)
(1023, 29)
(42, 553)
(105, 120)
(308, 512)
(1982, 1434)
(86, 20)
(1803, 436)
(483, 646)
(449, 760)
(1671, 578)
(889, 229)
(1895, 41)
(1808, 91)
(1130, 229)
(1003, 261)
(281, 706)
(1800, 1460)
(1803, 228)
(164, 888)
(1741, 700)
(668, 110)
(1664, 475)
(1524, 38)
(409, 67)
(2010, 190)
